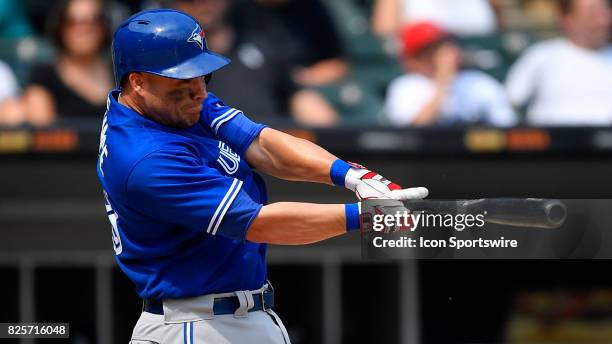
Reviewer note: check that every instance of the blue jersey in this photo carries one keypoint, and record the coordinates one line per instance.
(181, 200)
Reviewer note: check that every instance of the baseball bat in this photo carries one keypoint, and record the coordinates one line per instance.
(518, 212)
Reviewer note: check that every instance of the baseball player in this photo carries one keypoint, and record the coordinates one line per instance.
(190, 219)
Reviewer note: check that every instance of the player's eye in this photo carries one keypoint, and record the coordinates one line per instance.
(178, 94)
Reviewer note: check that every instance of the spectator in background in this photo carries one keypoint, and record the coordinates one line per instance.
(258, 79)
(77, 84)
(14, 23)
(568, 81)
(436, 92)
(11, 108)
(319, 56)
(459, 17)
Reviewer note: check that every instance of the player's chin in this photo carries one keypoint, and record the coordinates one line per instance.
(191, 121)
(191, 116)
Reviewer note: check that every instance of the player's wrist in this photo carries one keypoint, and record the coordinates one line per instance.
(347, 174)
(352, 212)
(338, 171)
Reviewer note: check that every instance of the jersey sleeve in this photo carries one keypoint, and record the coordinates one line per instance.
(174, 187)
(229, 125)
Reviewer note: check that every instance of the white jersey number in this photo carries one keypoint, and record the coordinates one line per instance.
(113, 217)
(103, 150)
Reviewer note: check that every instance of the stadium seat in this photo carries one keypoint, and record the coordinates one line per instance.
(494, 54)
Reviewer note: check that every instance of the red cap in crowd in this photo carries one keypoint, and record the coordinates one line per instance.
(418, 35)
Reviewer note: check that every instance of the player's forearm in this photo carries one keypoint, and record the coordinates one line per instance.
(290, 158)
(288, 223)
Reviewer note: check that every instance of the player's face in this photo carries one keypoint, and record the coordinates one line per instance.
(174, 102)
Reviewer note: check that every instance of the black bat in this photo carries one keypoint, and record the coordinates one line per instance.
(519, 212)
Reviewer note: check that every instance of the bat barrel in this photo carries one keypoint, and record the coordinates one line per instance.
(519, 212)
(525, 212)
(555, 212)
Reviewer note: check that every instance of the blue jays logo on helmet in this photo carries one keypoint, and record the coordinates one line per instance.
(197, 36)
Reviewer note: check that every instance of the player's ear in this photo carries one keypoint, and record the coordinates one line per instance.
(136, 81)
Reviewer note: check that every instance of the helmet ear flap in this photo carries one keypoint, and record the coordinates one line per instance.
(207, 78)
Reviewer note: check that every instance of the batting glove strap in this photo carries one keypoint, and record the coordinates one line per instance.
(347, 174)
(338, 172)
(352, 211)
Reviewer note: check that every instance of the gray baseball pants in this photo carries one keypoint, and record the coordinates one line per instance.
(191, 321)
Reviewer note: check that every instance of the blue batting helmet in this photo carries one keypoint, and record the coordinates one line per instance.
(163, 42)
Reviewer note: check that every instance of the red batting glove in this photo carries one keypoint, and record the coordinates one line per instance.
(370, 185)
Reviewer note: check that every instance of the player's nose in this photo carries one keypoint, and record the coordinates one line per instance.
(198, 90)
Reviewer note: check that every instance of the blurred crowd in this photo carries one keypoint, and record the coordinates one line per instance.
(330, 63)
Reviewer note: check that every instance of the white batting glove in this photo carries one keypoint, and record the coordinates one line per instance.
(371, 185)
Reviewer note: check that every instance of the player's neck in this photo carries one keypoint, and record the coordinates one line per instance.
(126, 100)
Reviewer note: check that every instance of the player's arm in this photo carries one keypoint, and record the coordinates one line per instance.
(172, 186)
(270, 151)
(287, 157)
(291, 158)
(288, 223)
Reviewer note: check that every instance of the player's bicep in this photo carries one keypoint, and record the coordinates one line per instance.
(263, 157)
(173, 187)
